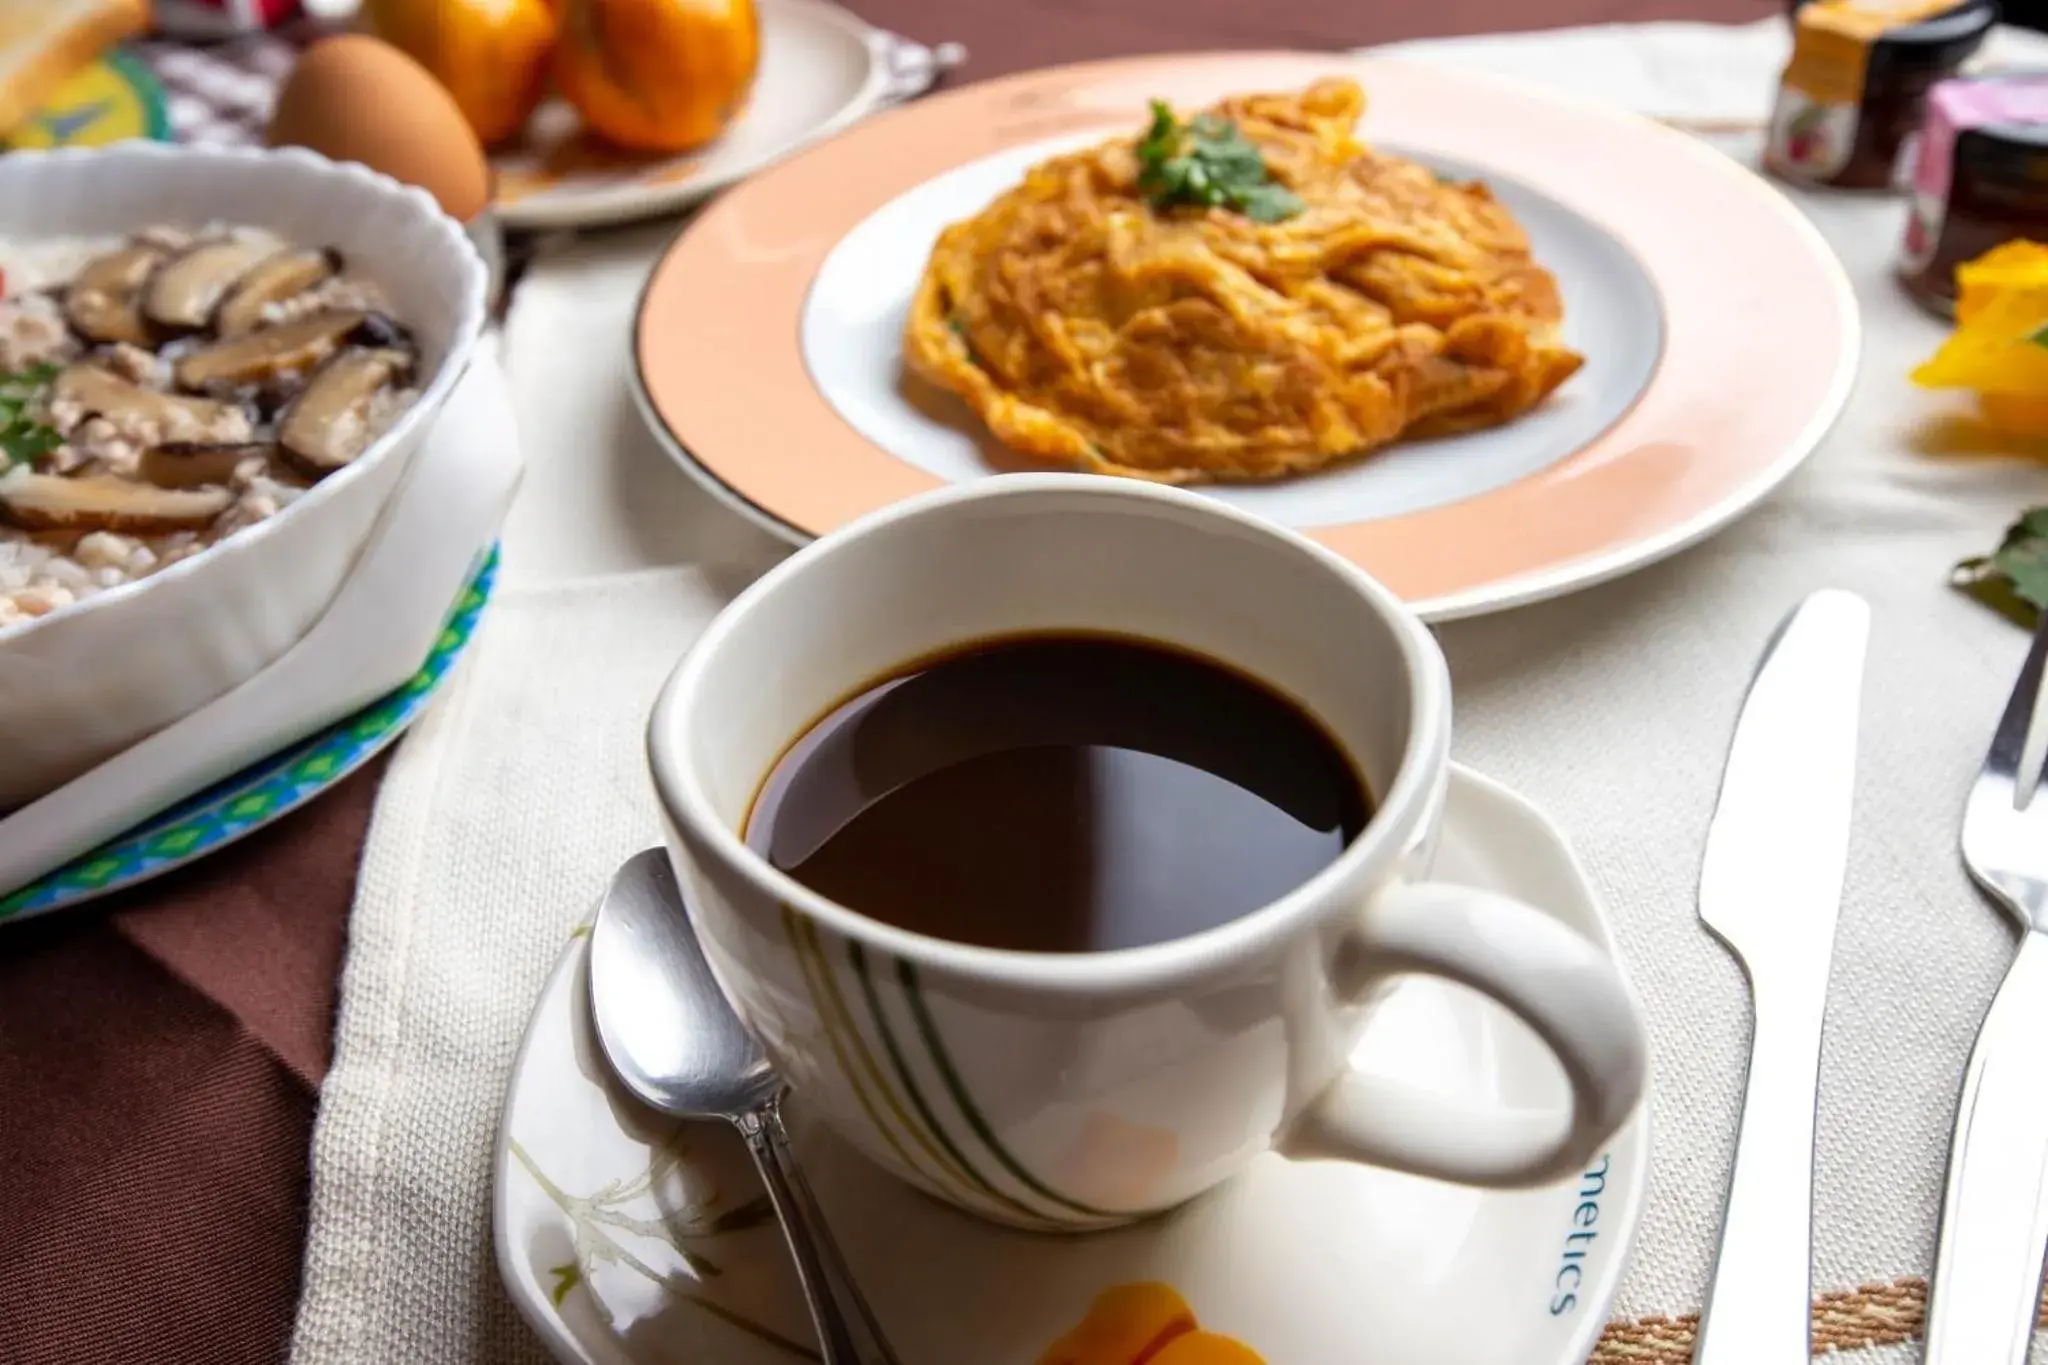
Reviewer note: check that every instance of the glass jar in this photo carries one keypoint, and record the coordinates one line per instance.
(1981, 179)
(1852, 94)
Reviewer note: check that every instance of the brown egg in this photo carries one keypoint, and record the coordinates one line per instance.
(354, 98)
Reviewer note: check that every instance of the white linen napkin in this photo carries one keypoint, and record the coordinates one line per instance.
(504, 813)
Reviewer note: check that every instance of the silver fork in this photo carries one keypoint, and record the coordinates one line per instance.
(1994, 1220)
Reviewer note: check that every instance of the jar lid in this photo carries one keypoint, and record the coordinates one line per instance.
(1944, 40)
(2009, 96)
(2009, 153)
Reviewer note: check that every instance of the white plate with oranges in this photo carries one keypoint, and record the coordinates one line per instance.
(598, 159)
(591, 111)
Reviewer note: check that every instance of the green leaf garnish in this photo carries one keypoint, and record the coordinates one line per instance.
(2039, 336)
(567, 1277)
(29, 442)
(1208, 163)
(958, 324)
(2013, 579)
(22, 437)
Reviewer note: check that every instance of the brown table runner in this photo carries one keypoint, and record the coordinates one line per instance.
(158, 1064)
(160, 1056)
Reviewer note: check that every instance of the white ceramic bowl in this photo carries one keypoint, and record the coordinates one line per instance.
(93, 677)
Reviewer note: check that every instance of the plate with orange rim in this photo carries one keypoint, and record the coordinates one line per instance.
(1720, 332)
(624, 1237)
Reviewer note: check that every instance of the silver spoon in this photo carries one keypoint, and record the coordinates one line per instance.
(676, 1044)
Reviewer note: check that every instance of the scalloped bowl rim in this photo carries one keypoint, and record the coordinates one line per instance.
(462, 340)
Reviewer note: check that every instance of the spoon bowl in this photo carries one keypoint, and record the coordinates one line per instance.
(674, 1041)
(663, 1021)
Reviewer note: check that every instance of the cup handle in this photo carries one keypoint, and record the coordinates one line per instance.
(1554, 979)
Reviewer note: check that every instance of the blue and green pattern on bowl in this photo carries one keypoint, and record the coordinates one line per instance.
(262, 792)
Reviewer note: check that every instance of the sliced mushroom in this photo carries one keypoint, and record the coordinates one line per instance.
(256, 357)
(121, 270)
(143, 414)
(101, 303)
(190, 464)
(329, 424)
(275, 279)
(47, 502)
(106, 317)
(183, 293)
(381, 329)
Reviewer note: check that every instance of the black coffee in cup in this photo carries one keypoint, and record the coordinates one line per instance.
(1059, 793)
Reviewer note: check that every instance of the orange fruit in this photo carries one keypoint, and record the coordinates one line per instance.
(492, 55)
(1206, 1348)
(657, 75)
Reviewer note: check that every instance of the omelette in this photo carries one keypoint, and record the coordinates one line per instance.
(1250, 294)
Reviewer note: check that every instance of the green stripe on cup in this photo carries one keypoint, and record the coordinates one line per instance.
(858, 957)
(850, 1045)
(928, 1030)
(813, 973)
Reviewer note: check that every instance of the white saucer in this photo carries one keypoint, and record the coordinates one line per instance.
(616, 1228)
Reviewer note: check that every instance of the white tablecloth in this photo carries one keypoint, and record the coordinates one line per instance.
(505, 811)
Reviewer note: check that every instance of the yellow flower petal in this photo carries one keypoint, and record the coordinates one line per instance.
(2011, 310)
(2007, 267)
(2017, 414)
(1988, 360)
(2003, 305)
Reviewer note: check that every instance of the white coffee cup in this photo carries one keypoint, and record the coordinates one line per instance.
(1082, 1090)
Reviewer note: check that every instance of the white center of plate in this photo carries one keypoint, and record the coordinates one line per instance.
(852, 329)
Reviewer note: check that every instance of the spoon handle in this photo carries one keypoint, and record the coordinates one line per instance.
(847, 1330)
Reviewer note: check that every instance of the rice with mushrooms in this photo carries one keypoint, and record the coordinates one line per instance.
(113, 468)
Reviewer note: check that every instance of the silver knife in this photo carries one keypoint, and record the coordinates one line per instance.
(1771, 888)
(1994, 1216)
